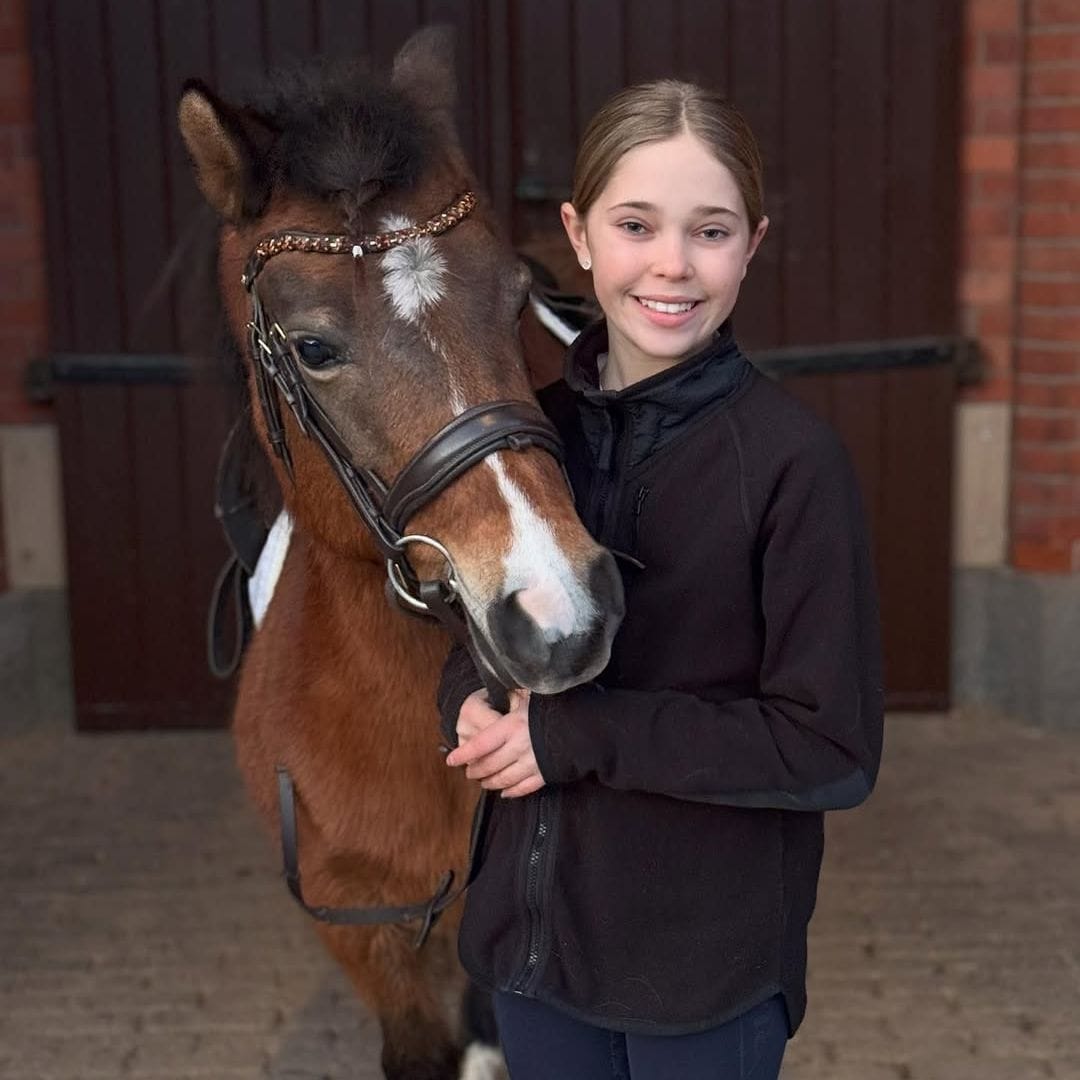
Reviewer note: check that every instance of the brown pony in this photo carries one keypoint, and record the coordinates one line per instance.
(338, 685)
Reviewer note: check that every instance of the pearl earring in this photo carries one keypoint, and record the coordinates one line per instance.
(586, 262)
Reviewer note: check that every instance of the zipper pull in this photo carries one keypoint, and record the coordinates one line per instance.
(639, 502)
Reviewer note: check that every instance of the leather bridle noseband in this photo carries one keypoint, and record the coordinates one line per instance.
(385, 509)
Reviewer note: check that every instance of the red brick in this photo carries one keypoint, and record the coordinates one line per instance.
(990, 153)
(1041, 558)
(1054, 13)
(1053, 46)
(1056, 223)
(1050, 293)
(990, 389)
(1053, 82)
(1052, 188)
(1051, 461)
(993, 118)
(980, 15)
(993, 82)
(1050, 493)
(1047, 257)
(1002, 47)
(1035, 426)
(1033, 361)
(994, 186)
(1048, 395)
(993, 320)
(989, 252)
(1041, 152)
(996, 354)
(985, 286)
(991, 219)
(22, 411)
(1056, 118)
(1050, 325)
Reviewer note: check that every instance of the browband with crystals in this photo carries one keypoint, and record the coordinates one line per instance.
(369, 244)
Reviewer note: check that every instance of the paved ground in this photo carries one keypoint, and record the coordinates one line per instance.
(144, 932)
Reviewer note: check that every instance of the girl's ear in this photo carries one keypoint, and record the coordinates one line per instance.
(755, 240)
(574, 224)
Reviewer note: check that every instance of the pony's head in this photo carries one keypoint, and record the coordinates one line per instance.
(393, 346)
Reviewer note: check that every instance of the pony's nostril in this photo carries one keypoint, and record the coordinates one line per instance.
(517, 628)
(550, 608)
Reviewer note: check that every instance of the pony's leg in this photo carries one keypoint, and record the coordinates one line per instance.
(408, 992)
(483, 1060)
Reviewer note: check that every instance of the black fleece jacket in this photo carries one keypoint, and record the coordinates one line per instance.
(664, 878)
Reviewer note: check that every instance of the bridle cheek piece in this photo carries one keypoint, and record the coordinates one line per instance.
(384, 509)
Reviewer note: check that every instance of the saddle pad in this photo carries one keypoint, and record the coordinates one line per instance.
(268, 568)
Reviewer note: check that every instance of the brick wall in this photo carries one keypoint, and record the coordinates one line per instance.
(22, 248)
(23, 319)
(1020, 277)
(1046, 432)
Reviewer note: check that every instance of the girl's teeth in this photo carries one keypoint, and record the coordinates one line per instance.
(667, 309)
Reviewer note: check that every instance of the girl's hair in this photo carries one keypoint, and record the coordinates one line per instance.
(653, 111)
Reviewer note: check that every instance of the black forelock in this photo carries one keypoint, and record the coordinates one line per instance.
(342, 132)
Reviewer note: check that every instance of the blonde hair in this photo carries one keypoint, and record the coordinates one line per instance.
(653, 111)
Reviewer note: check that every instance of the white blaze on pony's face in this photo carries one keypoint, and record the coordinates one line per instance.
(537, 570)
(413, 274)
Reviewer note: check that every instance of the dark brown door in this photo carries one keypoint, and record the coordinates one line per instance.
(855, 105)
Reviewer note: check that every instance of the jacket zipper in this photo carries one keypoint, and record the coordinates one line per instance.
(639, 502)
(532, 893)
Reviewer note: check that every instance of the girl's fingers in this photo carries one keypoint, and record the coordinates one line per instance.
(508, 777)
(492, 763)
(526, 787)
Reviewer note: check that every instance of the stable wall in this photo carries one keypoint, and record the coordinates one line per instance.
(1017, 601)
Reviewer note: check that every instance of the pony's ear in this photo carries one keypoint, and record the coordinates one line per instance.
(424, 69)
(226, 148)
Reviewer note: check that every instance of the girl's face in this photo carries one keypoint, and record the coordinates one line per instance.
(669, 241)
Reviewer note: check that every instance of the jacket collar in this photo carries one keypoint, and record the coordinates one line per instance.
(654, 410)
(704, 374)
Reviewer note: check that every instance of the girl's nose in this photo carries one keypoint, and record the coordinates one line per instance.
(671, 259)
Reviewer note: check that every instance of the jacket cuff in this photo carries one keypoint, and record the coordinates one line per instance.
(557, 728)
(459, 679)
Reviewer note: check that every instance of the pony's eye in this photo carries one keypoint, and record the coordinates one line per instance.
(314, 353)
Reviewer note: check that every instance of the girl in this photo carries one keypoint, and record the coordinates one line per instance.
(650, 870)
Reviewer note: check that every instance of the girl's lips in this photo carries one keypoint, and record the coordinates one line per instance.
(666, 318)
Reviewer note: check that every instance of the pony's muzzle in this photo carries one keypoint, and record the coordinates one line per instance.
(544, 644)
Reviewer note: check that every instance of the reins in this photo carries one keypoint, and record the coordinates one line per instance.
(385, 509)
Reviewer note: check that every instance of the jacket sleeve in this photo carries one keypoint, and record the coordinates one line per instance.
(459, 679)
(811, 738)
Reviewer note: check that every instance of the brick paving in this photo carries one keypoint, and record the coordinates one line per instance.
(145, 933)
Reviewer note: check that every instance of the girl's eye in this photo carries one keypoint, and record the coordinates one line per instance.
(634, 228)
(314, 353)
(714, 233)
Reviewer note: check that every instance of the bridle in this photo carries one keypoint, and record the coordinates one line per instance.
(385, 509)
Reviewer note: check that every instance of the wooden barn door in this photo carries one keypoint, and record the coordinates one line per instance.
(854, 102)
(855, 105)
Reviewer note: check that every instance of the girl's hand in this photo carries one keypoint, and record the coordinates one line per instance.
(498, 749)
(475, 716)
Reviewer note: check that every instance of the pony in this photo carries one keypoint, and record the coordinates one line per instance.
(386, 313)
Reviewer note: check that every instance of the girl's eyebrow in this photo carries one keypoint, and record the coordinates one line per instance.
(704, 211)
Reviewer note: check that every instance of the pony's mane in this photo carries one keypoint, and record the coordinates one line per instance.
(343, 133)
